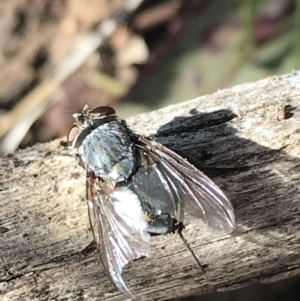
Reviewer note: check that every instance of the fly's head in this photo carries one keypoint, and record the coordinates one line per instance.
(91, 117)
(88, 120)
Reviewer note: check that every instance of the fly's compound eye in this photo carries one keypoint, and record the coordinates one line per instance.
(103, 111)
(72, 135)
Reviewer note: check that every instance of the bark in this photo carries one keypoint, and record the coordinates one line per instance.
(248, 135)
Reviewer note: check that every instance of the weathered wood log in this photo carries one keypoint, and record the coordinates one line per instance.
(250, 132)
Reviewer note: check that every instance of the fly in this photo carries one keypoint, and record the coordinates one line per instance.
(136, 187)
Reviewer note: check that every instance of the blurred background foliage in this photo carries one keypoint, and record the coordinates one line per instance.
(165, 52)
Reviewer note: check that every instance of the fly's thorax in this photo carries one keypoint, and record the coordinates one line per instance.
(107, 150)
(88, 125)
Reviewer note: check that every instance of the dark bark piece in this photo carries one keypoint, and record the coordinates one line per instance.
(250, 132)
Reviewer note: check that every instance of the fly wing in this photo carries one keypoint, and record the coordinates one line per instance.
(171, 184)
(119, 229)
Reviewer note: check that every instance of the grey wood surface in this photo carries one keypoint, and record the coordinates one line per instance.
(249, 136)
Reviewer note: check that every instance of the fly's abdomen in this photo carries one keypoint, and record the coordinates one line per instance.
(108, 152)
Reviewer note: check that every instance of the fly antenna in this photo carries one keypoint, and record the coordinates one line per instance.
(179, 230)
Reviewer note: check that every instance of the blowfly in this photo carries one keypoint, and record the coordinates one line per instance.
(136, 187)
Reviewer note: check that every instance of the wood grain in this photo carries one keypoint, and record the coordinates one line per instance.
(249, 132)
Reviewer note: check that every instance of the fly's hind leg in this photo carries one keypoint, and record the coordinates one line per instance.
(180, 227)
(163, 224)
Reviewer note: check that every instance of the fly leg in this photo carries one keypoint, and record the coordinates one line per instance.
(180, 227)
(163, 224)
